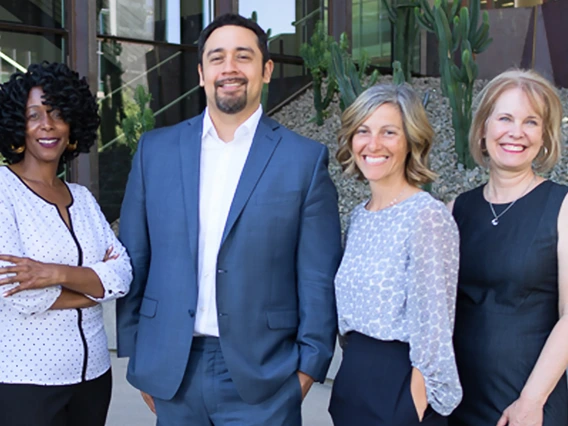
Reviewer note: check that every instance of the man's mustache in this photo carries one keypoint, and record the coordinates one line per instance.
(219, 83)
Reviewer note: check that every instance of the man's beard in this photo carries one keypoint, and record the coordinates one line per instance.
(231, 104)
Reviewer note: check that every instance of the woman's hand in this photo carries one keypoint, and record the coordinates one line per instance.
(109, 255)
(30, 274)
(522, 412)
(418, 392)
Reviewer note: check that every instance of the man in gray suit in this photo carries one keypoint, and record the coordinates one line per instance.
(232, 225)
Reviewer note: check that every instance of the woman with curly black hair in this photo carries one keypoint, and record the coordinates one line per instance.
(59, 258)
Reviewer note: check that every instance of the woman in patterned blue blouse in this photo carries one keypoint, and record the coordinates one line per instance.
(396, 285)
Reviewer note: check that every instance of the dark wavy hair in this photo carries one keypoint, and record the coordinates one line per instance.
(63, 90)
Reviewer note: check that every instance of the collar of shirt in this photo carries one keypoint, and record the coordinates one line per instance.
(247, 128)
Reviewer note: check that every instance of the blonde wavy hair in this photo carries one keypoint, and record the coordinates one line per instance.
(543, 98)
(417, 130)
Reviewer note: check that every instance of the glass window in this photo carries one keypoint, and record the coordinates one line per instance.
(173, 21)
(18, 51)
(290, 27)
(42, 13)
(371, 31)
(169, 74)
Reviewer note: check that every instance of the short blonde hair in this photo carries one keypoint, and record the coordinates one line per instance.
(417, 130)
(543, 98)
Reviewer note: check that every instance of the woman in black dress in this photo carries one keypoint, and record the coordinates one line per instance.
(511, 332)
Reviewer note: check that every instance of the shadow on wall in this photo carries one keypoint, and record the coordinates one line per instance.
(528, 38)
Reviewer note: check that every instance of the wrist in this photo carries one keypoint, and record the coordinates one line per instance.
(532, 398)
(60, 274)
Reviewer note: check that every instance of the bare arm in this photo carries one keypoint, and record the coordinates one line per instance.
(553, 359)
(31, 274)
(72, 300)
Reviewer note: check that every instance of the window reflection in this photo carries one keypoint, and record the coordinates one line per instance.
(169, 73)
(290, 27)
(371, 31)
(173, 21)
(43, 13)
(18, 51)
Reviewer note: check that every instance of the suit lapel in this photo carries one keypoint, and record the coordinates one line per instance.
(263, 145)
(190, 156)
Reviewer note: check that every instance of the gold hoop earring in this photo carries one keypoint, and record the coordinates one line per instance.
(18, 150)
(71, 146)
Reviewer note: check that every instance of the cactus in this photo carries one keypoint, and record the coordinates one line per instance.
(401, 14)
(398, 76)
(459, 33)
(347, 75)
(317, 60)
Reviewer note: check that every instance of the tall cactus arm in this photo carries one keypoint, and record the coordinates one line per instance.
(455, 8)
(373, 78)
(340, 75)
(443, 31)
(397, 74)
(363, 63)
(475, 7)
(456, 34)
(464, 23)
(483, 46)
(428, 12)
(422, 20)
(467, 62)
(481, 36)
(354, 77)
(482, 40)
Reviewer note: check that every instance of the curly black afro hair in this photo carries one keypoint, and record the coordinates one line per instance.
(64, 91)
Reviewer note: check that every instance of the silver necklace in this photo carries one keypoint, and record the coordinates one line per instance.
(394, 200)
(495, 220)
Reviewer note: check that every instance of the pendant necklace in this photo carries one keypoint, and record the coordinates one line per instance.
(495, 220)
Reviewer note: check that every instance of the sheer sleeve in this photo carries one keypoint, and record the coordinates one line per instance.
(432, 284)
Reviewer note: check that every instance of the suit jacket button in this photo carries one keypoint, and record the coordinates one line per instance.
(191, 313)
(221, 271)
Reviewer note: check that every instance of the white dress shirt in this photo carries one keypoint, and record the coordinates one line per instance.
(220, 170)
(55, 347)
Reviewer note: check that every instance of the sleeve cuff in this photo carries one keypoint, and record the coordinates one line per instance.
(108, 277)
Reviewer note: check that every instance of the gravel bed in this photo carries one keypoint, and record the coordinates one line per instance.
(452, 180)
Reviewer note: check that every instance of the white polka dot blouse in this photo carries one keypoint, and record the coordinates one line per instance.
(55, 347)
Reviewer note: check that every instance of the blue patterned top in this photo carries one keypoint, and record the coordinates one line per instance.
(397, 281)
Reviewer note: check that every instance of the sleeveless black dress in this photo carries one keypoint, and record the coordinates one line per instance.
(507, 302)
